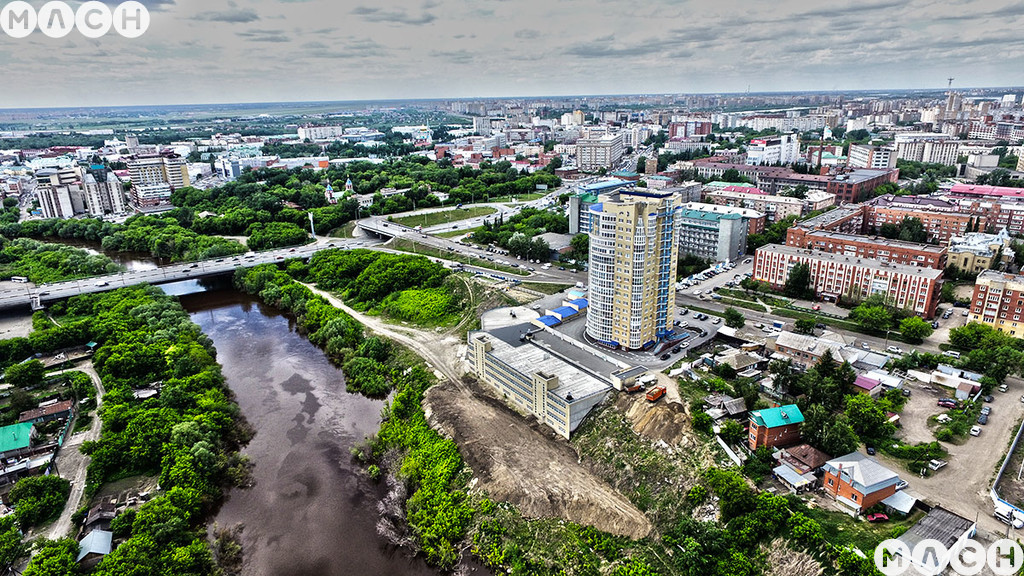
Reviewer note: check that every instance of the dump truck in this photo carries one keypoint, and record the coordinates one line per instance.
(654, 394)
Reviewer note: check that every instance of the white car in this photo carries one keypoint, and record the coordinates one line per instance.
(696, 292)
(975, 430)
(865, 346)
(716, 321)
(894, 349)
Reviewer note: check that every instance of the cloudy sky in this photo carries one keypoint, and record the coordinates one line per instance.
(200, 51)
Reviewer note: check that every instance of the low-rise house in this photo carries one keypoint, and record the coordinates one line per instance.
(858, 482)
(866, 385)
(772, 427)
(53, 411)
(94, 547)
(720, 406)
(798, 467)
(16, 439)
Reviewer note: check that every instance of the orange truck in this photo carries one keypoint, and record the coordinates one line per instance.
(654, 394)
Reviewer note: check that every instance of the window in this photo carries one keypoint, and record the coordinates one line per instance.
(829, 481)
(853, 497)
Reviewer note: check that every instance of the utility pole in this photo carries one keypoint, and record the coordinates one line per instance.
(312, 230)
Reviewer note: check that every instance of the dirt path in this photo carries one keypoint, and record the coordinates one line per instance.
(71, 463)
(439, 350)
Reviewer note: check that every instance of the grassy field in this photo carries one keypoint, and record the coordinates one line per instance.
(447, 216)
(417, 248)
(344, 231)
(456, 233)
(546, 287)
(520, 198)
(842, 530)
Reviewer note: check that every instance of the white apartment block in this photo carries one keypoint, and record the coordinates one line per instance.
(103, 193)
(783, 149)
(314, 133)
(601, 152)
(154, 178)
(60, 192)
(873, 157)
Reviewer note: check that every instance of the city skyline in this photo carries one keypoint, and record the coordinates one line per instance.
(224, 51)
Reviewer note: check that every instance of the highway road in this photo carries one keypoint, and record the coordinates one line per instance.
(15, 295)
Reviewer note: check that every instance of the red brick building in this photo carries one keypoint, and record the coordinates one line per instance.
(877, 247)
(858, 482)
(856, 185)
(775, 427)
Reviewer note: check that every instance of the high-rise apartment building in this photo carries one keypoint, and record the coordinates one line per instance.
(633, 251)
(103, 192)
(154, 178)
(773, 150)
(601, 152)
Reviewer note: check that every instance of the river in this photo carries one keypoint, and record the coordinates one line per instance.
(312, 510)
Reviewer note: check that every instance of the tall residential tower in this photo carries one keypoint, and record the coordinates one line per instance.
(633, 250)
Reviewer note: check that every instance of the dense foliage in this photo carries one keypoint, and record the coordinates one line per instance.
(775, 233)
(517, 234)
(38, 499)
(44, 263)
(54, 557)
(162, 237)
(188, 435)
(275, 235)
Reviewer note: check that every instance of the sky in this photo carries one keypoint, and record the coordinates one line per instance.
(222, 51)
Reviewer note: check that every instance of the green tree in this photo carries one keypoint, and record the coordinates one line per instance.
(732, 432)
(54, 557)
(702, 422)
(734, 318)
(912, 230)
(867, 418)
(798, 283)
(25, 374)
(839, 437)
(805, 326)
(39, 498)
(872, 318)
(11, 545)
(915, 329)
(641, 165)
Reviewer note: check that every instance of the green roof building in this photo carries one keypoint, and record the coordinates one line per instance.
(15, 438)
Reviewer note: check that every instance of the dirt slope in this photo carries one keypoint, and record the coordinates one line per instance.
(518, 461)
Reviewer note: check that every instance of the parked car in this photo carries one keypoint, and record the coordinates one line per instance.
(965, 313)
(947, 403)
(894, 349)
(865, 346)
(676, 350)
(903, 484)
(871, 450)
(816, 307)
(879, 517)
(1003, 387)
(716, 321)
(982, 419)
(989, 398)
(665, 356)
(937, 464)
(975, 430)
(987, 410)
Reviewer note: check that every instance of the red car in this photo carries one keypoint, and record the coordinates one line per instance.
(877, 517)
(816, 307)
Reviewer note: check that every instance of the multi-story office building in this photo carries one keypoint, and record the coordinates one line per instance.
(927, 147)
(716, 233)
(754, 220)
(836, 276)
(634, 244)
(533, 379)
(999, 301)
(154, 178)
(103, 192)
(877, 247)
(600, 152)
(941, 219)
(873, 157)
(783, 149)
(60, 192)
(978, 251)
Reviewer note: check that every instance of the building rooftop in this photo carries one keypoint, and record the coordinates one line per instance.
(15, 436)
(832, 216)
(546, 353)
(780, 416)
(717, 209)
(995, 276)
(879, 240)
(877, 265)
(724, 192)
(862, 471)
(939, 524)
(44, 411)
(96, 542)
(929, 203)
(979, 243)
(860, 175)
(986, 191)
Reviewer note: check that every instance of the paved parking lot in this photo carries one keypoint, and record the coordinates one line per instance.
(963, 485)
